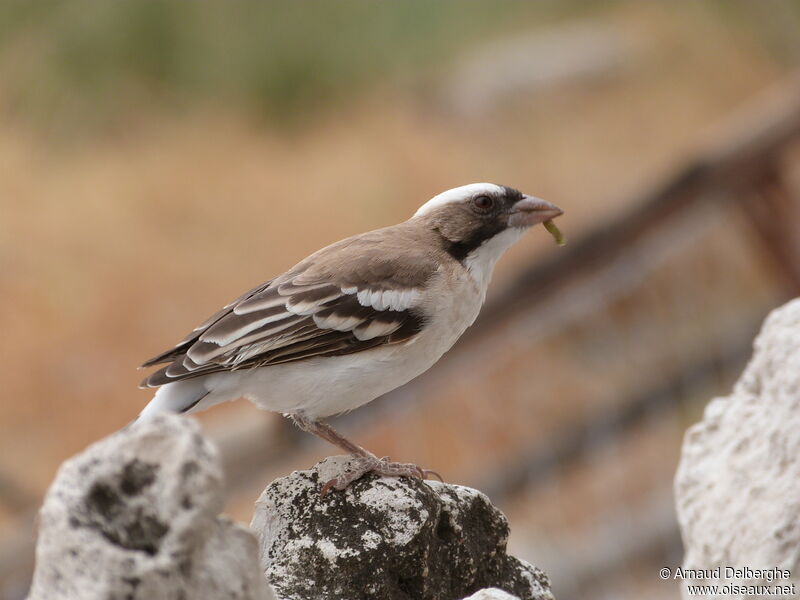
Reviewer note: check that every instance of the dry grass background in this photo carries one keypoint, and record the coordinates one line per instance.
(117, 240)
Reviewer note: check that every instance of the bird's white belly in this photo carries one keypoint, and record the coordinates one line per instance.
(325, 386)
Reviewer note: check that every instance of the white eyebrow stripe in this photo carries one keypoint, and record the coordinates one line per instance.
(459, 194)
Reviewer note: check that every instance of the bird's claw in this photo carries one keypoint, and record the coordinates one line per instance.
(427, 475)
(361, 465)
(329, 485)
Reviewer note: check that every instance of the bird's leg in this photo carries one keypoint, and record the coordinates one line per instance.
(321, 429)
(364, 461)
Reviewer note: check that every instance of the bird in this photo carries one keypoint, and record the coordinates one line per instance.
(352, 321)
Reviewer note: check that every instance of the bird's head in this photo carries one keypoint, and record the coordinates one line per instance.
(482, 220)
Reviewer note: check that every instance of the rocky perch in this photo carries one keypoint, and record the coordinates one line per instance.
(136, 517)
(389, 538)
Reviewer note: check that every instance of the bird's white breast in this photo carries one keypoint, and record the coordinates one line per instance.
(325, 386)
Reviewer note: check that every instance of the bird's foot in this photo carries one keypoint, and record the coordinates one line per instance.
(361, 465)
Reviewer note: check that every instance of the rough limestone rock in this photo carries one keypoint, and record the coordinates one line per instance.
(738, 484)
(386, 538)
(134, 517)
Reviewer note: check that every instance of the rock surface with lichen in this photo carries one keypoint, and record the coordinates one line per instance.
(135, 517)
(387, 538)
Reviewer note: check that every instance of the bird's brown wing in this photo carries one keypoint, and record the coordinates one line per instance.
(355, 295)
(182, 346)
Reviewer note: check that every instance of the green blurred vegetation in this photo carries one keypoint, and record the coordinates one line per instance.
(86, 62)
(277, 59)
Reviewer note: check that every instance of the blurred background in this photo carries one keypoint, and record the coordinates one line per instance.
(159, 157)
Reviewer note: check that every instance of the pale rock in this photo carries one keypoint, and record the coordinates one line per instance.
(738, 485)
(492, 594)
(135, 517)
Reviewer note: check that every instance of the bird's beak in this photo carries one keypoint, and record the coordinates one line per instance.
(531, 211)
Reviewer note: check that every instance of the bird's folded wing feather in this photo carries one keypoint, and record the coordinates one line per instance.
(313, 310)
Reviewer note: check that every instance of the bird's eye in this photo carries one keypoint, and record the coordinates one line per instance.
(483, 203)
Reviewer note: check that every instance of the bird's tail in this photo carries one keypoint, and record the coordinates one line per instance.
(178, 397)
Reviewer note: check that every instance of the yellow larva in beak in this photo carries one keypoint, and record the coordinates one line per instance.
(553, 229)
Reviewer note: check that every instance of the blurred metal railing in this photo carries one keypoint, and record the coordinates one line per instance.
(605, 425)
(742, 164)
